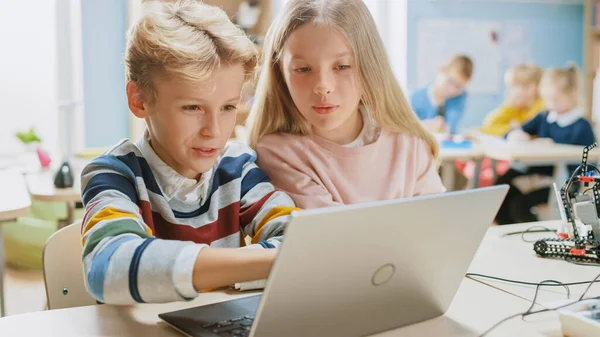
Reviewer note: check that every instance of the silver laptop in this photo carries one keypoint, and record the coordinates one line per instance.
(357, 270)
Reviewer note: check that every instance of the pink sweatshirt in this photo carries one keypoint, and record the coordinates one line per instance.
(316, 172)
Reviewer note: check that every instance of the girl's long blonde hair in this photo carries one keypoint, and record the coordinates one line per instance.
(274, 111)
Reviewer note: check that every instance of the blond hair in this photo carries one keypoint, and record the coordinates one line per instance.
(463, 64)
(184, 39)
(566, 79)
(274, 110)
(523, 74)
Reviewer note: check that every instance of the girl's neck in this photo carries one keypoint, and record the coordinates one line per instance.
(346, 132)
(562, 112)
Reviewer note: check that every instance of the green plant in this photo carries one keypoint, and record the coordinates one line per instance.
(28, 137)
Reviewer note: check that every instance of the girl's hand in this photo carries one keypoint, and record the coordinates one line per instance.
(517, 136)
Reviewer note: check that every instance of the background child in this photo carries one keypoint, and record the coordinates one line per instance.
(441, 105)
(522, 103)
(163, 214)
(330, 123)
(563, 123)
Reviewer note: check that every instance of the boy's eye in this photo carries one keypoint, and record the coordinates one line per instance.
(230, 107)
(302, 70)
(191, 108)
(343, 67)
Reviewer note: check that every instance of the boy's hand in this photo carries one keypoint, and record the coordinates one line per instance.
(219, 267)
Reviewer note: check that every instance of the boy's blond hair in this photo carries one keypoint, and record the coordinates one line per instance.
(274, 110)
(463, 64)
(523, 74)
(185, 39)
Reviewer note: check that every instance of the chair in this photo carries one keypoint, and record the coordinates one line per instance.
(63, 270)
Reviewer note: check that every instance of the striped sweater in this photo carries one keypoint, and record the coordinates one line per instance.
(139, 246)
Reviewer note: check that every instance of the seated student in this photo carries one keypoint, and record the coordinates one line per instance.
(164, 215)
(441, 105)
(330, 123)
(522, 103)
(563, 124)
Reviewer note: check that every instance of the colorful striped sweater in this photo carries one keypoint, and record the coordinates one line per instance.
(140, 246)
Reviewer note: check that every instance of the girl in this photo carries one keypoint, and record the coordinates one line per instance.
(441, 105)
(522, 103)
(563, 124)
(330, 123)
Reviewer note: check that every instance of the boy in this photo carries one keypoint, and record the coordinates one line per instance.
(164, 215)
(441, 105)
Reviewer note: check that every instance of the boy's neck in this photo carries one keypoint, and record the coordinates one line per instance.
(167, 159)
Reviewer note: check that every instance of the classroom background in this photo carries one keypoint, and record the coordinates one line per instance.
(62, 89)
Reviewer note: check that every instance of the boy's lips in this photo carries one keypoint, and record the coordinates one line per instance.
(205, 152)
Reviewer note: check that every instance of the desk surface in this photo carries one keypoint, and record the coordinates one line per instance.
(41, 187)
(14, 198)
(473, 152)
(537, 152)
(509, 257)
(142, 320)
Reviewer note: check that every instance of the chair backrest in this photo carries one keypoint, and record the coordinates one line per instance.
(63, 269)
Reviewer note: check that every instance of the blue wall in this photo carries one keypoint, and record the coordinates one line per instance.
(103, 39)
(556, 33)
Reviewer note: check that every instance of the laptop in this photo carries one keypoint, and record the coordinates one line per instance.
(357, 270)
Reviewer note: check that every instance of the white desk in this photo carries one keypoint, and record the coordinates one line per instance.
(14, 202)
(448, 156)
(510, 258)
(41, 187)
(142, 320)
(535, 153)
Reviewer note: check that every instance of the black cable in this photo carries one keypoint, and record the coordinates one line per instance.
(544, 230)
(589, 286)
(528, 230)
(536, 312)
(529, 283)
(529, 312)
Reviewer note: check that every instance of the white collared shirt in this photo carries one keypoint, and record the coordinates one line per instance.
(565, 119)
(173, 184)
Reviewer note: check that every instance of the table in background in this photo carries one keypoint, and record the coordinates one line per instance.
(14, 202)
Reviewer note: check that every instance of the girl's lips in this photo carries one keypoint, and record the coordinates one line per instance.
(325, 109)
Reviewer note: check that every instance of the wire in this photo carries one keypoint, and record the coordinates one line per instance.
(536, 312)
(528, 230)
(530, 283)
(529, 312)
(589, 286)
(544, 230)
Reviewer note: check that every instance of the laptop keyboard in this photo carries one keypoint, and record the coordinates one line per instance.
(237, 327)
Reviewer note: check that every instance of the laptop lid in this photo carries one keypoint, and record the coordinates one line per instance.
(361, 269)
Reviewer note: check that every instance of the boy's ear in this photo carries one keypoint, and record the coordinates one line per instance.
(136, 100)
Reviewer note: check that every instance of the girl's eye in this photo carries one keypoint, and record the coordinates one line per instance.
(230, 107)
(191, 108)
(343, 67)
(302, 70)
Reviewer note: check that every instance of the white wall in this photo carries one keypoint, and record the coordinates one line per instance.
(28, 72)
